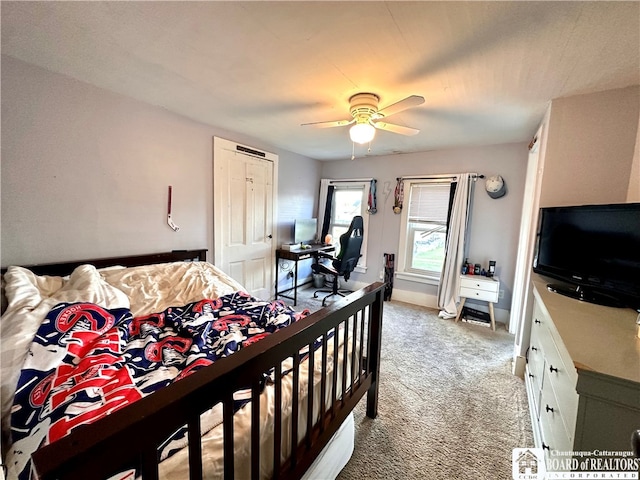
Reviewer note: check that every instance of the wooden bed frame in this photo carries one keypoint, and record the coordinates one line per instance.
(65, 268)
(128, 438)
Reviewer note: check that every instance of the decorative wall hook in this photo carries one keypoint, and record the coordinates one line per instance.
(173, 226)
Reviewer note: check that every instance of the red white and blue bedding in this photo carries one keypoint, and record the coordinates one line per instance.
(87, 361)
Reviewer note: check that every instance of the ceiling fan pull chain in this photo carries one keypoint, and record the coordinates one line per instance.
(353, 151)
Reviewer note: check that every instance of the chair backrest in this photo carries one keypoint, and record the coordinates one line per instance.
(350, 245)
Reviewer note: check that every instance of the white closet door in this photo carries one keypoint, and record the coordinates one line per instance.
(244, 190)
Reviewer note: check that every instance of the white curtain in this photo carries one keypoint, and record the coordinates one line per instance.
(455, 250)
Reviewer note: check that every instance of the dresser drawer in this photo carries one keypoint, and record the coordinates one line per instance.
(562, 379)
(554, 433)
(559, 371)
(534, 391)
(535, 360)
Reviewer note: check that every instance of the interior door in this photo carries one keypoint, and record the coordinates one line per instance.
(244, 197)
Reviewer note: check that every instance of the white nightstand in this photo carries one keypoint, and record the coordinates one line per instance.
(480, 288)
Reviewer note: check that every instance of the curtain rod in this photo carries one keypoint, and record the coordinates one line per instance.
(474, 176)
(351, 180)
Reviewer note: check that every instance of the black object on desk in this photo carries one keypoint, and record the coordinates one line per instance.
(295, 256)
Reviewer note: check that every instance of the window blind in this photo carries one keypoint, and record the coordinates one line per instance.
(429, 202)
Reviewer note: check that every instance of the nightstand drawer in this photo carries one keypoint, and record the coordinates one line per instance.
(479, 283)
(487, 296)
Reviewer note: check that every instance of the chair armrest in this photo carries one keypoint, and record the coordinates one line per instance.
(326, 255)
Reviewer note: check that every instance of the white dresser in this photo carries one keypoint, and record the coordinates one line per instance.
(482, 288)
(582, 374)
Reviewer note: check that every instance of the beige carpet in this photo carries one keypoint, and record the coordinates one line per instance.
(449, 407)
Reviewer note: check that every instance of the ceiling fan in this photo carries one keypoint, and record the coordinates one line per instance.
(366, 117)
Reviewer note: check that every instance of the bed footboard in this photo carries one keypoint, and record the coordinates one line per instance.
(129, 438)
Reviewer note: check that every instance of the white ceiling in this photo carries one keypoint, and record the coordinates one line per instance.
(486, 69)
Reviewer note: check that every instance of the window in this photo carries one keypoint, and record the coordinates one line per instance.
(347, 203)
(423, 231)
(349, 199)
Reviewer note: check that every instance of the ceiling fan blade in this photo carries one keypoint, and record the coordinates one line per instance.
(409, 102)
(390, 127)
(337, 123)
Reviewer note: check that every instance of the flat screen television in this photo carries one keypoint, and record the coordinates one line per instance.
(305, 230)
(594, 250)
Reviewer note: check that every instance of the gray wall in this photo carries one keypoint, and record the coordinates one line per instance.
(298, 187)
(633, 195)
(590, 148)
(589, 153)
(494, 225)
(85, 172)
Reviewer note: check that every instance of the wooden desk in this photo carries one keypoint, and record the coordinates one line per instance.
(295, 255)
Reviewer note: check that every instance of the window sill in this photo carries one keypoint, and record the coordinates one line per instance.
(414, 277)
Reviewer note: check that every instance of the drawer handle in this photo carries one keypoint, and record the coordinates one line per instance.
(545, 446)
(534, 348)
(536, 321)
(553, 369)
(549, 409)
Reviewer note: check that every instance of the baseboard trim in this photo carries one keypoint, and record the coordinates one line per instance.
(431, 301)
(519, 364)
(416, 298)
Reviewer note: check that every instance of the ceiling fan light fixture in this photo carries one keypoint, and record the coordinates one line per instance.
(362, 133)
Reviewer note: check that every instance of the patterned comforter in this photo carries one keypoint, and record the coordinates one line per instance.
(87, 361)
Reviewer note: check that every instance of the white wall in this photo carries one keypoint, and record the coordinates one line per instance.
(494, 224)
(85, 172)
(633, 195)
(590, 148)
(587, 156)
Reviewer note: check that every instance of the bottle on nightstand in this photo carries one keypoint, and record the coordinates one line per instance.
(492, 268)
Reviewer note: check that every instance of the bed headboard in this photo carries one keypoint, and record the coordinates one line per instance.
(65, 268)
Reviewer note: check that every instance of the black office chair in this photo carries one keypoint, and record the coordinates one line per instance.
(343, 264)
